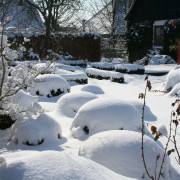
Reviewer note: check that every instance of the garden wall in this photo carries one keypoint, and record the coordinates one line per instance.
(80, 46)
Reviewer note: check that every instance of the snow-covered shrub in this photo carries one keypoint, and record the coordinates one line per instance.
(105, 114)
(17, 106)
(34, 131)
(30, 55)
(65, 167)
(69, 104)
(120, 151)
(92, 89)
(173, 78)
(161, 59)
(81, 63)
(102, 74)
(49, 85)
(103, 66)
(129, 68)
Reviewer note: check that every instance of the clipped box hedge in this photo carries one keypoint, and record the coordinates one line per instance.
(103, 66)
(103, 74)
(130, 68)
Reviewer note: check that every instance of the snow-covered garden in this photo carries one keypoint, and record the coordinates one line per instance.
(66, 125)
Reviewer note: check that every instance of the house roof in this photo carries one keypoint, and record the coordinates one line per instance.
(18, 17)
(153, 10)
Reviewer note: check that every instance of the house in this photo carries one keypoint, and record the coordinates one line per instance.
(157, 11)
(109, 22)
(110, 16)
(17, 15)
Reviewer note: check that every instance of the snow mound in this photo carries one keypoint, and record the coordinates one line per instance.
(92, 89)
(173, 78)
(49, 85)
(105, 114)
(148, 115)
(34, 131)
(69, 104)
(161, 59)
(55, 165)
(120, 151)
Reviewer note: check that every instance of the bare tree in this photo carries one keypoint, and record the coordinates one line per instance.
(55, 12)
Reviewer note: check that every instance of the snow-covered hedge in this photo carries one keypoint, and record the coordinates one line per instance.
(120, 151)
(53, 68)
(102, 74)
(49, 85)
(129, 68)
(34, 131)
(173, 78)
(70, 103)
(79, 78)
(81, 63)
(55, 165)
(103, 66)
(92, 89)
(105, 114)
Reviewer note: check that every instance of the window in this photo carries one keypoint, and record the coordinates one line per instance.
(158, 35)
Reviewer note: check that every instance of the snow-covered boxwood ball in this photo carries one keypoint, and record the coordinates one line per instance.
(70, 103)
(49, 85)
(56, 166)
(34, 131)
(175, 90)
(173, 78)
(120, 151)
(148, 114)
(92, 89)
(105, 114)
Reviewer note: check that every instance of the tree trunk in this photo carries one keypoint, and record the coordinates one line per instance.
(48, 35)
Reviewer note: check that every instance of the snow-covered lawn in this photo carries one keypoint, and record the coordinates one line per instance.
(107, 117)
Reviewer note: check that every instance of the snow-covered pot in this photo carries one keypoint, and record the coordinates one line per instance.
(120, 151)
(49, 85)
(34, 131)
(105, 114)
(70, 103)
(55, 165)
(92, 89)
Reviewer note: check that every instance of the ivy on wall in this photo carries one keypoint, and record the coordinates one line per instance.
(139, 39)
